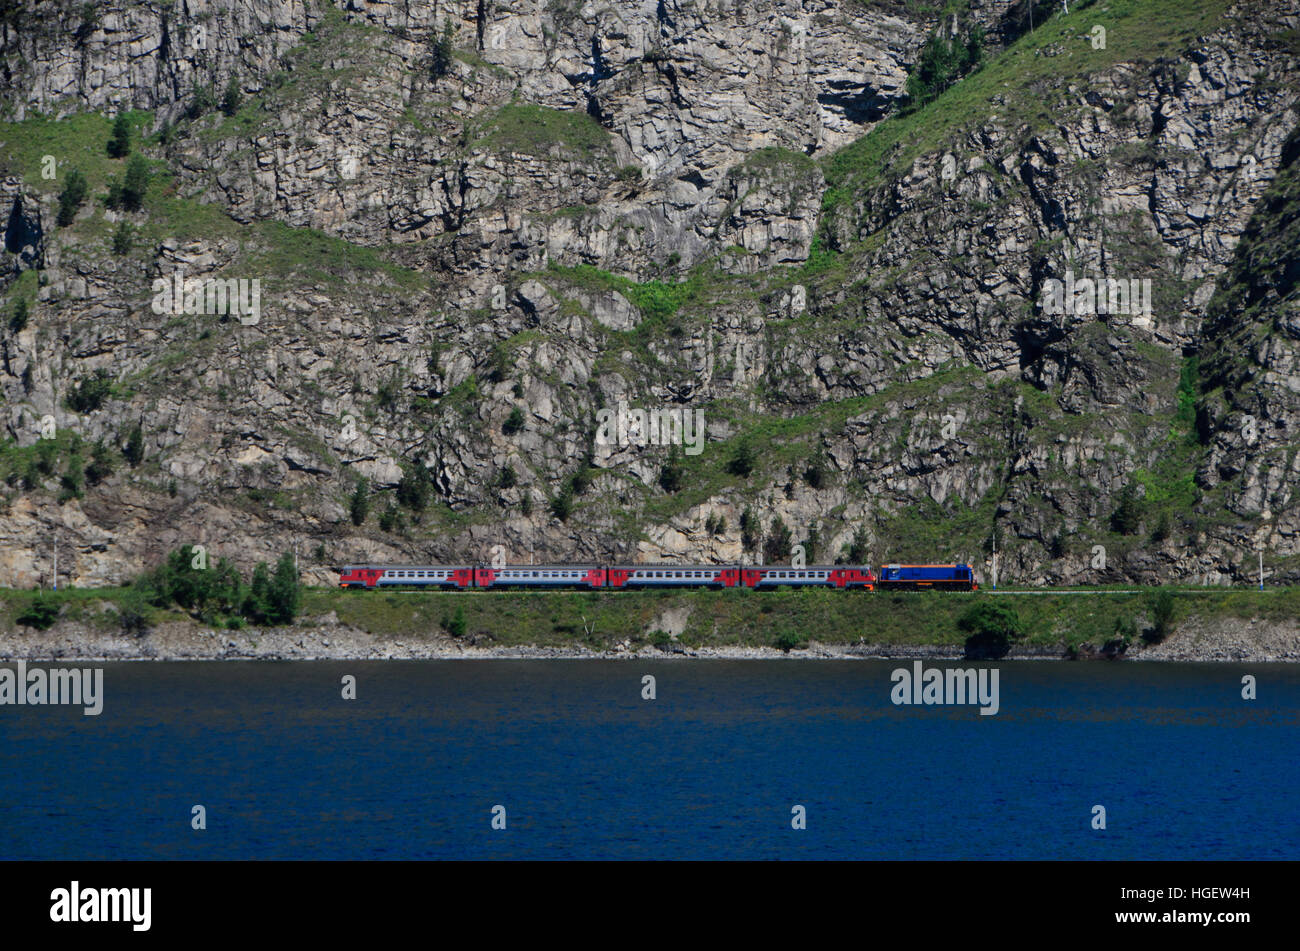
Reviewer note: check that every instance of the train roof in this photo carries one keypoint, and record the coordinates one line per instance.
(390, 567)
(959, 564)
(723, 566)
(465, 565)
(621, 567)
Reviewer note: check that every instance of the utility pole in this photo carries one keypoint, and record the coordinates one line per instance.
(995, 557)
(1266, 516)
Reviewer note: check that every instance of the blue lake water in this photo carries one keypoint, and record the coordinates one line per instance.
(586, 768)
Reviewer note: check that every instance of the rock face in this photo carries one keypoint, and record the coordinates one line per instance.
(471, 229)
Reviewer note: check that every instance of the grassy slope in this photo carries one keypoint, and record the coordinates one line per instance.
(723, 618)
(1007, 87)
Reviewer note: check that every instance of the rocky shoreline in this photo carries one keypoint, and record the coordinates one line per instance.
(1229, 640)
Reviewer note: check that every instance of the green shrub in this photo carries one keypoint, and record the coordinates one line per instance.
(810, 546)
(202, 100)
(562, 505)
(390, 520)
(89, 393)
(41, 613)
(413, 489)
(514, 422)
(815, 472)
(942, 62)
(213, 589)
(1162, 615)
(788, 641)
(857, 552)
(991, 629)
(133, 611)
(458, 625)
(742, 461)
(101, 464)
(273, 598)
(73, 480)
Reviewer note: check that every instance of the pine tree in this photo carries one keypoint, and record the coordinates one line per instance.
(18, 319)
(257, 601)
(230, 102)
(122, 238)
(442, 52)
(136, 183)
(750, 529)
(134, 448)
(284, 591)
(1127, 517)
(360, 505)
(119, 145)
(777, 545)
(670, 477)
(70, 199)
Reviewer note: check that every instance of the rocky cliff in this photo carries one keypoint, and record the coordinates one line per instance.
(1051, 311)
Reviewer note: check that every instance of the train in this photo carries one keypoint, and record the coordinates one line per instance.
(953, 577)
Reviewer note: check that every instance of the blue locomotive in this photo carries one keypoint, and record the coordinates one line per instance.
(956, 577)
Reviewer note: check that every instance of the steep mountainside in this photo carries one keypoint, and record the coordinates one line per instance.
(484, 234)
